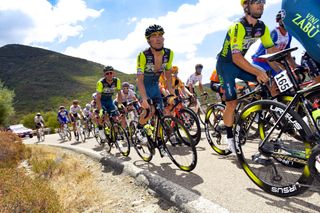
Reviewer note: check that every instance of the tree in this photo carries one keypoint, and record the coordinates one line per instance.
(6, 104)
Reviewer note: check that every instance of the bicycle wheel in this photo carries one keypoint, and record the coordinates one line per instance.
(178, 143)
(82, 135)
(42, 136)
(68, 134)
(267, 164)
(191, 122)
(215, 129)
(122, 141)
(144, 150)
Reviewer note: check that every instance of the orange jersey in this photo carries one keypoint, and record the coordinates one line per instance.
(214, 76)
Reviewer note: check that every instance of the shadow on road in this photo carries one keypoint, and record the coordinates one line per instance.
(291, 204)
(186, 179)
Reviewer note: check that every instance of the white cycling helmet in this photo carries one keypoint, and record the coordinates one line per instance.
(94, 95)
(88, 106)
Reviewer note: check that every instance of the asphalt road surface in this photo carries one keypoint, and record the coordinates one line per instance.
(216, 178)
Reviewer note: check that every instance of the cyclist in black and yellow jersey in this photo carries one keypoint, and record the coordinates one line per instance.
(106, 87)
(231, 63)
(150, 64)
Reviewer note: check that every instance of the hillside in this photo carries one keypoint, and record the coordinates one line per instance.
(42, 79)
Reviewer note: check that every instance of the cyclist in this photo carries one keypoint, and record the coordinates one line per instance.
(94, 102)
(312, 66)
(301, 20)
(39, 121)
(63, 117)
(75, 113)
(281, 39)
(231, 63)
(194, 78)
(127, 95)
(106, 87)
(177, 84)
(216, 86)
(150, 64)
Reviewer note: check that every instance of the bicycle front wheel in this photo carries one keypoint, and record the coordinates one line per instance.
(178, 143)
(144, 150)
(122, 141)
(215, 129)
(191, 122)
(276, 161)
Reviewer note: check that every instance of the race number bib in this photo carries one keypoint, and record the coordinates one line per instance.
(283, 81)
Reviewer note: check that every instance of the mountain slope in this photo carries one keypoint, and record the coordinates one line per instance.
(43, 79)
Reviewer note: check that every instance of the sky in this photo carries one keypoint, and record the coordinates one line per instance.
(111, 32)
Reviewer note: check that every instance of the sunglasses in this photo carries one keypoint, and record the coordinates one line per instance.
(108, 73)
(258, 2)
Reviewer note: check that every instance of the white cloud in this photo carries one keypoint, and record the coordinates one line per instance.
(51, 23)
(185, 30)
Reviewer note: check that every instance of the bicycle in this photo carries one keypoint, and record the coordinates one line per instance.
(80, 132)
(283, 161)
(64, 132)
(116, 135)
(89, 128)
(188, 117)
(174, 138)
(40, 134)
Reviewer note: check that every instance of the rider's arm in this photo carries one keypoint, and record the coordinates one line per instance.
(141, 62)
(168, 73)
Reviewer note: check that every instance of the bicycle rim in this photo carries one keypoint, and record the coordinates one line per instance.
(269, 166)
(215, 129)
(143, 150)
(178, 143)
(122, 141)
(191, 122)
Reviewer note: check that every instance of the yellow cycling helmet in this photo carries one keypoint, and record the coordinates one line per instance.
(174, 69)
(242, 2)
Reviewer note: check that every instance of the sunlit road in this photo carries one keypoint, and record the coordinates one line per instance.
(216, 178)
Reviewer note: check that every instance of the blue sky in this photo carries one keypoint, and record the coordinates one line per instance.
(111, 32)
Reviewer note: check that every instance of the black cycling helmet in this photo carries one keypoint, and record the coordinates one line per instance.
(199, 66)
(108, 68)
(152, 29)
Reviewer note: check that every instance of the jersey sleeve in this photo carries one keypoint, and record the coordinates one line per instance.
(266, 39)
(141, 63)
(236, 34)
(118, 88)
(169, 64)
(99, 88)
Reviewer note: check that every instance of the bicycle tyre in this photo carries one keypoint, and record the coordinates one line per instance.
(122, 145)
(143, 150)
(214, 129)
(178, 143)
(292, 181)
(189, 123)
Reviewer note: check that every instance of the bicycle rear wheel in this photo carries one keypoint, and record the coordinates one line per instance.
(144, 150)
(272, 166)
(42, 136)
(215, 129)
(122, 141)
(178, 143)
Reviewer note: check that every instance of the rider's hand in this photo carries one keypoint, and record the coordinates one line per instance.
(120, 106)
(145, 104)
(262, 77)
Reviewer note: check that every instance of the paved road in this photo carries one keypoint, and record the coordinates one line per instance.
(216, 178)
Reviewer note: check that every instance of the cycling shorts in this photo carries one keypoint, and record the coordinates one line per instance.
(265, 67)
(153, 92)
(228, 73)
(109, 106)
